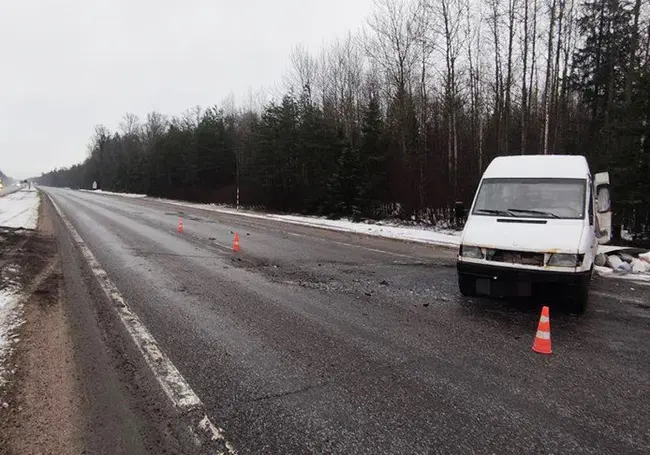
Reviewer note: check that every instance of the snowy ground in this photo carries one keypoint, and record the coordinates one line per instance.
(19, 209)
(10, 320)
(131, 195)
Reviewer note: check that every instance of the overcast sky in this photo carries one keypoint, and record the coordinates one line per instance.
(68, 65)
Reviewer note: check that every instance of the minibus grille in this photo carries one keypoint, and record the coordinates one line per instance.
(515, 257)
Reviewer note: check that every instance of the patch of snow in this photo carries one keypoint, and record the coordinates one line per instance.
(110, 193)
(20, 209)
(10, 321)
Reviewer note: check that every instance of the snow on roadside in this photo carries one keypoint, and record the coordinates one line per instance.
(10, 321)
(20, 209)
(110, 193)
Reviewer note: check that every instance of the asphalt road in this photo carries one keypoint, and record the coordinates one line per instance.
(312, 341)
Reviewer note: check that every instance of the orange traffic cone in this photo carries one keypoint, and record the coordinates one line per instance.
(542, 342)
(235, 243)
(180, 225)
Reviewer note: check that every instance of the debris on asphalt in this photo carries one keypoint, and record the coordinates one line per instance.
(638, 266)
(613, 261)
(623, 262)
(383, 283)
(645, 257)
(601, 260)
(626, 257)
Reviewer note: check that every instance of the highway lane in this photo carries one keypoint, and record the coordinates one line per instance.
(316, 341)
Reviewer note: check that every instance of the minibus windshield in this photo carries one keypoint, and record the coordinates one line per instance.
(531, 198)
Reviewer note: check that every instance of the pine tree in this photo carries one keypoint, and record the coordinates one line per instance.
(372, 158)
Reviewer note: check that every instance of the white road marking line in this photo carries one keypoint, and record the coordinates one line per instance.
(170, 379)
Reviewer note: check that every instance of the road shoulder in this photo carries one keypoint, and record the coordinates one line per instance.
(42, 403)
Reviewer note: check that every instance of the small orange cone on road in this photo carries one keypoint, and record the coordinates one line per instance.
(180, 225)
(235, 242)
(542, 342)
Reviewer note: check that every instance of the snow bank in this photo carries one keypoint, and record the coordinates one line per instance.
(10, 320)
(20, 209)
(110, 193)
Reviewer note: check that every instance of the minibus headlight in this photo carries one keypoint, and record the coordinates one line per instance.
(565, 260)
(472, 252)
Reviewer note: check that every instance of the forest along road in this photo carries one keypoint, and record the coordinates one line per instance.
(313, 341)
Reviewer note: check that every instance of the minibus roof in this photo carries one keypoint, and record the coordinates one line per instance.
(538, 166)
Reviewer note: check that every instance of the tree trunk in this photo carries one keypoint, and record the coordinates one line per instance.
(555, 92)
(511, 34)
(524, 91)
(497, 76)
(547, 84)
(631, 71)
(532, 108)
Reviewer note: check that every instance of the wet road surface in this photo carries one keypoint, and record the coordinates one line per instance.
(313, 341)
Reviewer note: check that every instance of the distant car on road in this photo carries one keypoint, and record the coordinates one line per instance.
(536, 221)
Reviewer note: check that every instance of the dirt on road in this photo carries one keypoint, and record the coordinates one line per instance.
(41, 408)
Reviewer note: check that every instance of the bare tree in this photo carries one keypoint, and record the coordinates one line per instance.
(154, 128)
(130, 125)
(565, 44)
(631, 71)
(494, 18)
(302, 74)
(555, 79)
(548, 76)
(427, 46)
(451, 12)
(343, 71)
(394, 46)
(524, 89)
(533, 67)
(512, 6)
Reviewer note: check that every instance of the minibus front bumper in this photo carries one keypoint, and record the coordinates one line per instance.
(496, 280)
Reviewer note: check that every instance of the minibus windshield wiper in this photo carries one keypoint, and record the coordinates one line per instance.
(534, 212)
(494, 212)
